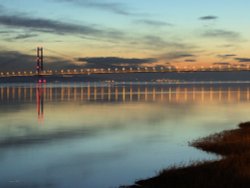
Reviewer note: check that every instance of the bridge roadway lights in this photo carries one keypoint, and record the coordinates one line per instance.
(128, 70)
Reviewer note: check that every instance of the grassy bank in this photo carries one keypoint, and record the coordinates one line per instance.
(232, 171)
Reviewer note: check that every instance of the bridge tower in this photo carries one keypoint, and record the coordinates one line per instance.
(39, 60)
(39, 65)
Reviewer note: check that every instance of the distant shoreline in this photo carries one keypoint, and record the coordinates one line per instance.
(231, 171)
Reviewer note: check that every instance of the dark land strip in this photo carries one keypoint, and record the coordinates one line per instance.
(231, 171)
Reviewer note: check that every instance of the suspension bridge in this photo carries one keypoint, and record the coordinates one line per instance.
(40, 69)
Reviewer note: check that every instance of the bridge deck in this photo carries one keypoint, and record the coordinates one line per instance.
(97, 71)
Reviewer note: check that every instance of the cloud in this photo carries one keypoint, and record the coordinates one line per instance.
(110, 62)
(227, 46)
(176, 55)
(25, 36)
(5, 32)
(222, 63)
(14, 61)
(222, 34)
(153, 23)
(205, 18)
(159, 43)
(226, 56)
(17, 61)
(117, 8)
(190, 60)
(55, 27)
(243, 60)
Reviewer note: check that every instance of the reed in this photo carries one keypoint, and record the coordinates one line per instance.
(232, 171)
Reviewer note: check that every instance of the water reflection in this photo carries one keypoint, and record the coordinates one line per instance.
(125, 93)
(40, 90)
(108, 134)
(174, 94)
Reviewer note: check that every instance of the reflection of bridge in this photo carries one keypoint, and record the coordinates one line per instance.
(166, 94)
(120, 70)
(40, 90)
(173, 94)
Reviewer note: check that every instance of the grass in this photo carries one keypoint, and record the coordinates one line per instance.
(234, 142)
(232, 171)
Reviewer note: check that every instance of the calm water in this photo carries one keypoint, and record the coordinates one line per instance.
(103, 135)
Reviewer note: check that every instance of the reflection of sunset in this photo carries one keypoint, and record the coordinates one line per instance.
(127, 93)
(112, 122)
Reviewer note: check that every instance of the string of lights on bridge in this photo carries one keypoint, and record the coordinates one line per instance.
(125, 70)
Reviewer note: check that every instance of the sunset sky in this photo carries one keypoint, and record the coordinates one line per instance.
(113, 33)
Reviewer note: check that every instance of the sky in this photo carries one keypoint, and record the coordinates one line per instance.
(116, 33)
